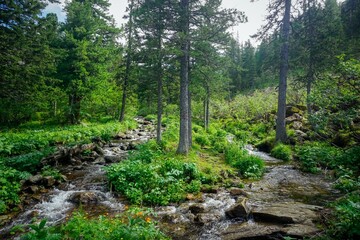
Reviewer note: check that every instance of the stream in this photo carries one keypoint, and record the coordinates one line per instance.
(285, 202)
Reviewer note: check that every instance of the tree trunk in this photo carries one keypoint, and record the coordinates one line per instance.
(183, 147)
(159, 87)
(190, 118)
(128, 64)
(75, 107)
(206, 108)
(281, 113)
(311, 38)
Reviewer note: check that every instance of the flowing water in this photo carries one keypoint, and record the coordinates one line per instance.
(202, 218)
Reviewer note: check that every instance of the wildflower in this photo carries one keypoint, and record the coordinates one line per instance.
(148, 220)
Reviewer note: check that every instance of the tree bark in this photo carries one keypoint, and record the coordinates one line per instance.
(183, 147)
(128, 64)
(281, 113)
(206, 108)
(159, 86)
(75, 108)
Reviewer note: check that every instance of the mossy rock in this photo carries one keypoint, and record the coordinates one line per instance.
(291, 110)
(301, 107)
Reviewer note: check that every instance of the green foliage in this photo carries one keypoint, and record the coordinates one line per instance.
(150, 176)
(52, 172)
(28, 162)
(282, 151)
(338, 107)
(314, 155)
(249, 166)
(9, 187)
(346, 224)
(133, 224)
(41, 232)
(26, 141)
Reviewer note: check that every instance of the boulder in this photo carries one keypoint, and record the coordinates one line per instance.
(238, 192)
(239, 210)
(49, 181)
(291, 110)
(248, 230)
(286, 213)
(35, 179)
(204, 218)
(197, 208)
(85, 198)
(297, 125)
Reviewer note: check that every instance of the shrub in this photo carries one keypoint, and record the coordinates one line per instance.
(316, 155)
(249, 166)
(282, 152)
(9, 187)
(133, 224)
(28, 162)
(150, 178)
(346, 224)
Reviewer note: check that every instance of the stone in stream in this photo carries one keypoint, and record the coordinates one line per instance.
(197, 208)
(204, 218)
(239, 210)
(250, 230)
(286, 213)
(238, 192)
(49, 181)
(85, 198)
(35, 179)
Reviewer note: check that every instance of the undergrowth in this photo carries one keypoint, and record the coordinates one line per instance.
(133, 224)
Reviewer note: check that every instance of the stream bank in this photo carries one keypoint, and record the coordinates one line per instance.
(285, 202)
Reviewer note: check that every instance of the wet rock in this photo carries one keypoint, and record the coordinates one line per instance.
(210, 189)
(175, 218)
(85, 198)
(120, 136)
(197, 208)
(301, 230)
(142, 134)
(49, 181)
(239, 210)
(286, 213)
(99, 161)
(35, 179)
(112, 158)
(33, 189)
(79, 167)
(204, 218)
(248, 230)
(4, 219)
(238, 192)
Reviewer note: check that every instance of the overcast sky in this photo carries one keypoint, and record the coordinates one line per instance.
(254, 11)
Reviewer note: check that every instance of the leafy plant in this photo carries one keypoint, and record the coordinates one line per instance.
(248, 166)
(9, 187)
(282, 151)
(150, 178)
(41, 232)
(346, 224)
